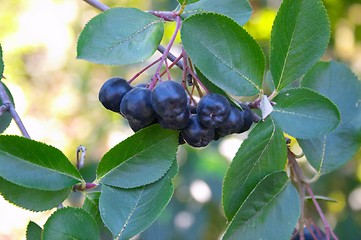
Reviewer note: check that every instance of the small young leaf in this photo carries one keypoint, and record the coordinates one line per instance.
(299, 38)
(32, 164)
(127, 212)
(304, 113)
(271, 211)
(139, 160)
(32, 199)
(71, 223)
(336, 81)
(239, 10)
(120, 36)
(5, 118)
(33, 231)
(263, 152)
(236, 58)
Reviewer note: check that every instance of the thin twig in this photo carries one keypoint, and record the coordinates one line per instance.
(156, 76)
(97, 4)
(171, 57)
(143, 70)
(6, 100)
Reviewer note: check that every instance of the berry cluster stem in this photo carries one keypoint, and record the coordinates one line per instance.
(304, 185)
(156, 76)
(9, 106)
(143, 70)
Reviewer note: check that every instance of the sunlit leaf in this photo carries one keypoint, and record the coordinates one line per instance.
(140, 159)
(224, 52)
(120, 36)
(299, 38)
(33, 164)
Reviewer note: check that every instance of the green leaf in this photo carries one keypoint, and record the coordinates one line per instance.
(270, 212)
(299, 38)
(32, 164)
(304, 113)
(33, 231)
(236, 58)
(139, 160)
(91, 205)
(335, 81)
(120, 36)
(127, 212)
(239, 10)
(5, 118)
(263, 152)
(71, 223)
(32, 199)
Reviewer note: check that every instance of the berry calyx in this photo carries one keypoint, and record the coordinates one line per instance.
(213, 109)
(169, 99)
(112, 92)
(196, 134)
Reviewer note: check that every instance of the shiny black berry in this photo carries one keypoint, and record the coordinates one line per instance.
(196, 134)
(136, 107)
(176, 122)
(112, 92)
(213, 109)
(233, 124)
(169, 99)
(247, 118)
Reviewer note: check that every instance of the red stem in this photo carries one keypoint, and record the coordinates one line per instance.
(143, 70)
(156, 76)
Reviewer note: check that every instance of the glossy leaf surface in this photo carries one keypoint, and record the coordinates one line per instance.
(127, 212)
(299, 38)
(239, 10)
(271, 211)
(236, 58)
(304, 113)
(120, 36)
(337, 82)
(140, 159)
(71, 223)
(263, 152)
(35, 165)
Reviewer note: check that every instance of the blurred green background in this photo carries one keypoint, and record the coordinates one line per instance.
(57, 97)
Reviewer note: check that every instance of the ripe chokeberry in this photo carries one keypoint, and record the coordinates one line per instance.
(136, 107)
(196, 134)
(169, 99)
(247, 117)
(176, 122)
(233, 124)
(213, 109)
(112, 92)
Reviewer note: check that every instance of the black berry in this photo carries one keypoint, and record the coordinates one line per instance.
(112, 92)
(169, 99)
(308, 235)
(136, 107)
(247, 118)
(196, 134)
(176, 122)
(213, 109)
(233, 124)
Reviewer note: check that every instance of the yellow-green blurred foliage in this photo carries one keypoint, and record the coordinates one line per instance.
(56, 96)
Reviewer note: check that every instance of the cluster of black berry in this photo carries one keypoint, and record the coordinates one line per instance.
(167, 104)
